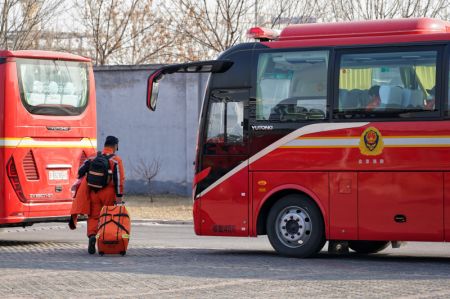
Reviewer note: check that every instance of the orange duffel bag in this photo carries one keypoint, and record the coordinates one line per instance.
(114, 229)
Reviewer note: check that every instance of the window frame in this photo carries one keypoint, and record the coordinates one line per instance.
(445, 105)
(440, 48)
(245, 136)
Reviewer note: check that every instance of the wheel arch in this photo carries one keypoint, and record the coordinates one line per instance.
(278, 193)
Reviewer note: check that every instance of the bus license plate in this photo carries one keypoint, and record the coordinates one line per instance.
(58, 175)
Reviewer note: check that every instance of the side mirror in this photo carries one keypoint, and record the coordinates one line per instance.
(211, 66)
(152, 90)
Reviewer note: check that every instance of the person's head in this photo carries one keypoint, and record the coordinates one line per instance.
(374, 91)
(112, 142)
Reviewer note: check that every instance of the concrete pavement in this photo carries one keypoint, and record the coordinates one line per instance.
(170, 261)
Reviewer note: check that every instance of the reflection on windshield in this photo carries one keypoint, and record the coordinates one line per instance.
(53, 87)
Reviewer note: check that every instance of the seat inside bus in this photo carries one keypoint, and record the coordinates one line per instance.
(300, 97)
(392, 97)
(69, 97)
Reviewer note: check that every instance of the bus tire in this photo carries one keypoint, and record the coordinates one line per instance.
(295, 226)
(368, 247)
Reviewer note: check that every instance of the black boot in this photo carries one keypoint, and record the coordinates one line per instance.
(91, 248)
(72, 223)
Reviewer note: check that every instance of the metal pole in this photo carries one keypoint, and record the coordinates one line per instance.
(256, 13)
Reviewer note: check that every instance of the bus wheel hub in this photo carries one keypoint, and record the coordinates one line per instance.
(294, 225)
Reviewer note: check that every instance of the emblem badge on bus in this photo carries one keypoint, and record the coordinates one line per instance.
(371, 142)
(262, 128)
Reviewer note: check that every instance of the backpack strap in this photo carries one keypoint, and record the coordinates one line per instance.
(109, 156)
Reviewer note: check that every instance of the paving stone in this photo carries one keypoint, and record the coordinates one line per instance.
(63, 269)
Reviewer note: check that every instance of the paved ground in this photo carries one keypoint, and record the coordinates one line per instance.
(49, 261)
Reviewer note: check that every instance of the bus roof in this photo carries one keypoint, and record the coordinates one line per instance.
(364, 29)
(42, 55)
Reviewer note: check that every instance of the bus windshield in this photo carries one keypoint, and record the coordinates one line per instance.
(53, 87)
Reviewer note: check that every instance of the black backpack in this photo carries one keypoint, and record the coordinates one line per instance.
(99, 173)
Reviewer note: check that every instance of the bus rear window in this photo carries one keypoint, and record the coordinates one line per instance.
(53, 87)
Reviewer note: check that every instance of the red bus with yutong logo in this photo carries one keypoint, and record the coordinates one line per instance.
(326, 132)
(47, 107)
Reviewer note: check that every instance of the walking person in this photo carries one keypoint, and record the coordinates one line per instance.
(105, 177)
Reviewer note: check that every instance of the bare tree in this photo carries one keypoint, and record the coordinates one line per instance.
(150, 40)
(22, 21)
(348, 10)
(207, 27)
(424, 8)
(279, 14)
(122, 31)
(147, 170)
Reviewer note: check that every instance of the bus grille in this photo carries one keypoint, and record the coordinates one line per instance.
(29, 167)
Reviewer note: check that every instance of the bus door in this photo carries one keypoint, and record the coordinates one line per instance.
(223, 194)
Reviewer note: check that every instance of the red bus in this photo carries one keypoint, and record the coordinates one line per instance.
(327, 132)
(47, 108)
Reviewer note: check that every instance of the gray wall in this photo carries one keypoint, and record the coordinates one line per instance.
(167, 135)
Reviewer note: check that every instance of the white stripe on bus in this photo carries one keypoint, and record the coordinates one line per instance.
(30, 142)
(354, 142)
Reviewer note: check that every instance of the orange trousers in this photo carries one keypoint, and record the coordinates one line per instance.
(99, 199)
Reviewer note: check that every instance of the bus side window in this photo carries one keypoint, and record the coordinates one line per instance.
(291, 86)
(387, 84)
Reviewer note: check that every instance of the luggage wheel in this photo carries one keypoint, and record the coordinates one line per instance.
(122, 253)
(101, 253)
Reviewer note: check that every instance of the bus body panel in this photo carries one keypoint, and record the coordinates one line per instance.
(408, 146)
(217, 216)
(46, 150)
(309, 183)
(360, 41)
(447, 206)
(281, 165)
(343, 206)
(400, 206)
(373, 28)
(396, 188)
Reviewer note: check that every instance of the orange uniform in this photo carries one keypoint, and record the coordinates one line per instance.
(107, 196)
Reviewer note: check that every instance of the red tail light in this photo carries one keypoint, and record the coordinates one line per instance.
(14, 179)
(29, 167)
